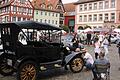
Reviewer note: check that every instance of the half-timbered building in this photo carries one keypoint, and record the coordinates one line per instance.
(16, 10)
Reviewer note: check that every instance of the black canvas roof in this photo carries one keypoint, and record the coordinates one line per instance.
(31, 25)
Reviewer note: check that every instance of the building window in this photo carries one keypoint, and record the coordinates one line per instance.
(56, 15)
(6, 18)
(42, 6)
(22, 1)
(36, 12)
(41, 20)
(14, 19)
(37, 20)
(85, 6)
(56, 22)
(106, 17)
(50, 7)
(90, 18)
(100, 17)
(59, 7)
(90, 6)
(19, 18)
(53, 14)
(112, 16)
(15, 8)
(24, 10)
(45, 13)
(61, 15)
(24, 19)
(48, 21)
(81, 7)
(112, 3)
(7, 9)
(95, 6)
(52, 21)
(45, 21)
(95, 17)
(100, 27)
(106, 4)
(100, 5)
(41, 13)
(85, 18)
(80, 19)
(49, 13)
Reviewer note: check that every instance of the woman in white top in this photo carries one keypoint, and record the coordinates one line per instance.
(88, 59)
(97, 48)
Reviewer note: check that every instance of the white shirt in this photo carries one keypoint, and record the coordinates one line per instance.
(105, 43)
(97, 47)
(89, 58)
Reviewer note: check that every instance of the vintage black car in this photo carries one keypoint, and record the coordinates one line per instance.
(29, 47)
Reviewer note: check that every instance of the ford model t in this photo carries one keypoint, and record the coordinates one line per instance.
(30, 47)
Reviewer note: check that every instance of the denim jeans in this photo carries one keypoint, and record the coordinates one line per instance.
(89, 65)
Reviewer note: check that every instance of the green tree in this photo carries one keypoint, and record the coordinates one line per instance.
(65, 28)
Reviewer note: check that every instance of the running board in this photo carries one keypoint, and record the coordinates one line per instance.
(50, 65)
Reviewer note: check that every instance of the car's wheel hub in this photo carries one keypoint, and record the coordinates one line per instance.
(77, 64)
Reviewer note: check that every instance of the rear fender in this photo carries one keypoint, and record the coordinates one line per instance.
(69, 57)
(22, 60)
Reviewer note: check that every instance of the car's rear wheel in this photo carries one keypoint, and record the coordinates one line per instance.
(76, 64)
(5, 68)
(28, 71)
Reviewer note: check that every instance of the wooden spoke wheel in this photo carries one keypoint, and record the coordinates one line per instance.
(28, 71)
(76, 64)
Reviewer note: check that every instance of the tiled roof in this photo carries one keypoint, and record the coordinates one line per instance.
(69, 7)
(37, 4)
(86, 1)
(6, 4)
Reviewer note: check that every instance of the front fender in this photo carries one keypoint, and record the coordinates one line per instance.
(69, 57)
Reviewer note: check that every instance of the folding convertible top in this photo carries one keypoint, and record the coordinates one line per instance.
(30, 25)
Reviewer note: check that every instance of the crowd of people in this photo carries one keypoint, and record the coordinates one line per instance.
(101, 44)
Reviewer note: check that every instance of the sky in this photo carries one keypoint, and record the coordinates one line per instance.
(68, 1)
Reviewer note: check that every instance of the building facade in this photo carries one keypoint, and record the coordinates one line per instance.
(69, 15)
(15, 10)
(49, 11)
(97, 13)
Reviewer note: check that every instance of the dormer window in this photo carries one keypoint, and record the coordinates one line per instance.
(59, 7)
(42, 6)
(50, 7)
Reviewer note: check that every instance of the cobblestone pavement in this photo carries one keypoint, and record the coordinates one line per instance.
(61, 74)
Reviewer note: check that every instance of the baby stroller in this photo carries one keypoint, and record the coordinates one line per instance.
(103, 71)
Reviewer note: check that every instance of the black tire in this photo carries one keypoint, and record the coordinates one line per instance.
(28, 71)
(5, 69)
(76, 64)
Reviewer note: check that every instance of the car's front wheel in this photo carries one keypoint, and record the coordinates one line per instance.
(27, 71)
(76, 64)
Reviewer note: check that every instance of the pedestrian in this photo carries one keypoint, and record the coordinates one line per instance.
(101, 61)
(88, 59)
(105, 44)
(118, 45)
(97, 48)
(88, 38)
